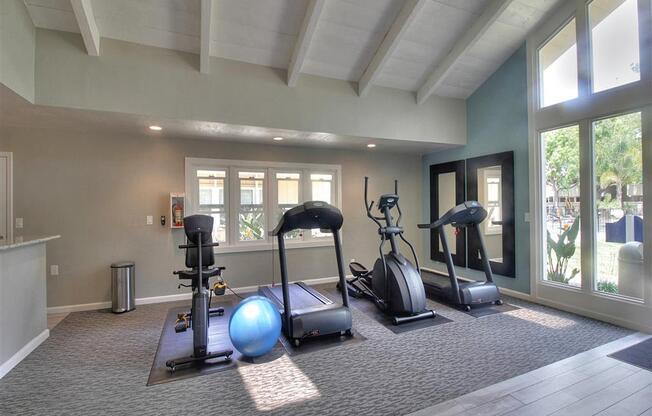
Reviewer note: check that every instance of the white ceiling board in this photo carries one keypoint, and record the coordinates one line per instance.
(406, 16)
(304, 39)
(348, 35)
(427, 41)
(164, 24)
(258, 32)
(494, 47)
(54, 15)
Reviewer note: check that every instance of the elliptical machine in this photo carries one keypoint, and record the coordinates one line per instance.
(200, 259)
(394, 284)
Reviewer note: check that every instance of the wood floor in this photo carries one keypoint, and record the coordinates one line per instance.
(586, 384)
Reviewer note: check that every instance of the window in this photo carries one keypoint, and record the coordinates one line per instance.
(251, 215)
(321, 185)
(288, 195)
(247, 199)
(561, 150)
(614, 43)
(590, 159)
(211, 185)
(492, 200)
(558, 67)
(618, 165)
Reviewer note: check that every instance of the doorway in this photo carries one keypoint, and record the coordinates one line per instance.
(6, 194)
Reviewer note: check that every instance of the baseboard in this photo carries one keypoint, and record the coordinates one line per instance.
(20, 355)
(594, 315)
(167, 298)
(78, 308)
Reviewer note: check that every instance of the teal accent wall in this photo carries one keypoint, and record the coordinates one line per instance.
(496, 117)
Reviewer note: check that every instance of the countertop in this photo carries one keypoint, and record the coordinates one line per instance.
(28, 240)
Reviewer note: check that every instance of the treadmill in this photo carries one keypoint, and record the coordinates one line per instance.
(464, 294)
(305, 312)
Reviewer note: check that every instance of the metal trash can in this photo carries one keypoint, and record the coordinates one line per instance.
(123, 285)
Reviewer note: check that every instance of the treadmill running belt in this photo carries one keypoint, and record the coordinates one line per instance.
(301, 296)
(430, 278)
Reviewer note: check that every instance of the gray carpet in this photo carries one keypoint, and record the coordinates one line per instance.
(97, 363)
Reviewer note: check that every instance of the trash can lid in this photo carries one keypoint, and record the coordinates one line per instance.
(631, 252)
(122, 264)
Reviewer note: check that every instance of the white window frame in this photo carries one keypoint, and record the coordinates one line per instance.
(489, 227)
(270, 198)
(582, 111)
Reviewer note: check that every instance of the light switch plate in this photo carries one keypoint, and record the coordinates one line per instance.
(54, 270)
(19, 222)
(150, 220)
(527, 217)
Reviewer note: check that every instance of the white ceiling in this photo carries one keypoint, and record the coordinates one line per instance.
(347, 35)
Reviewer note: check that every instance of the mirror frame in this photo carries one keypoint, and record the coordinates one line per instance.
(506, 161)
(457, 167)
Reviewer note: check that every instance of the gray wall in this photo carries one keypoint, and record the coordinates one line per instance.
(22, 298)
(496, 122)
(17, 40)
(137, 79)
(95, 189)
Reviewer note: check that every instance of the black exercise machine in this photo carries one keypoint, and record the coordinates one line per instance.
(464, 294)
(304, 311)
(200, 258)
(394, 284)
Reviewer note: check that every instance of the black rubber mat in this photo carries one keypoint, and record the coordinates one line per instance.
(321, 343)
(639, 354)
(486, 310)
(176, 345)
(370, 309)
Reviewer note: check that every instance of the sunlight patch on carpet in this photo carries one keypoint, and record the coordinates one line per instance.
(277, 384)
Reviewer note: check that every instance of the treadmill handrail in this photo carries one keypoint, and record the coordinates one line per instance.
(309, 216)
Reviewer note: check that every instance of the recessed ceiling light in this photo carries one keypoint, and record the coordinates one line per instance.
(156, 128)
(278, 139)
(371, 145)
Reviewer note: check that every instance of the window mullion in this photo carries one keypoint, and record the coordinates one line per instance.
(647, 201)
(307, 196)
(645, 40)
(583, 50)
(587, 209)
(234, 206)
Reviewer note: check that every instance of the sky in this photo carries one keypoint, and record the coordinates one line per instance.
(615, 50)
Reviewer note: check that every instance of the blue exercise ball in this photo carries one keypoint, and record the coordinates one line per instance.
(254, 326)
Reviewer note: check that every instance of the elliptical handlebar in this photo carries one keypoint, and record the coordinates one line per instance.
(369, 206)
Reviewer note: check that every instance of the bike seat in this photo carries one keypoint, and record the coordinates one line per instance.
(358, 269)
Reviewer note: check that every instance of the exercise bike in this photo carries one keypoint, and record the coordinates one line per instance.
(200, 259)
(394, 284)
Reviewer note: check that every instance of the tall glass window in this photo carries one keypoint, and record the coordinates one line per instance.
(288, 187)
(561, 152)
(251, 218)
(614, 43)
(322, 190)
(618, 185)
(211, 200)
(558, 67)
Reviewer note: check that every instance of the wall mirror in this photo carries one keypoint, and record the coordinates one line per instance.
(490, 181)
(446, 191)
